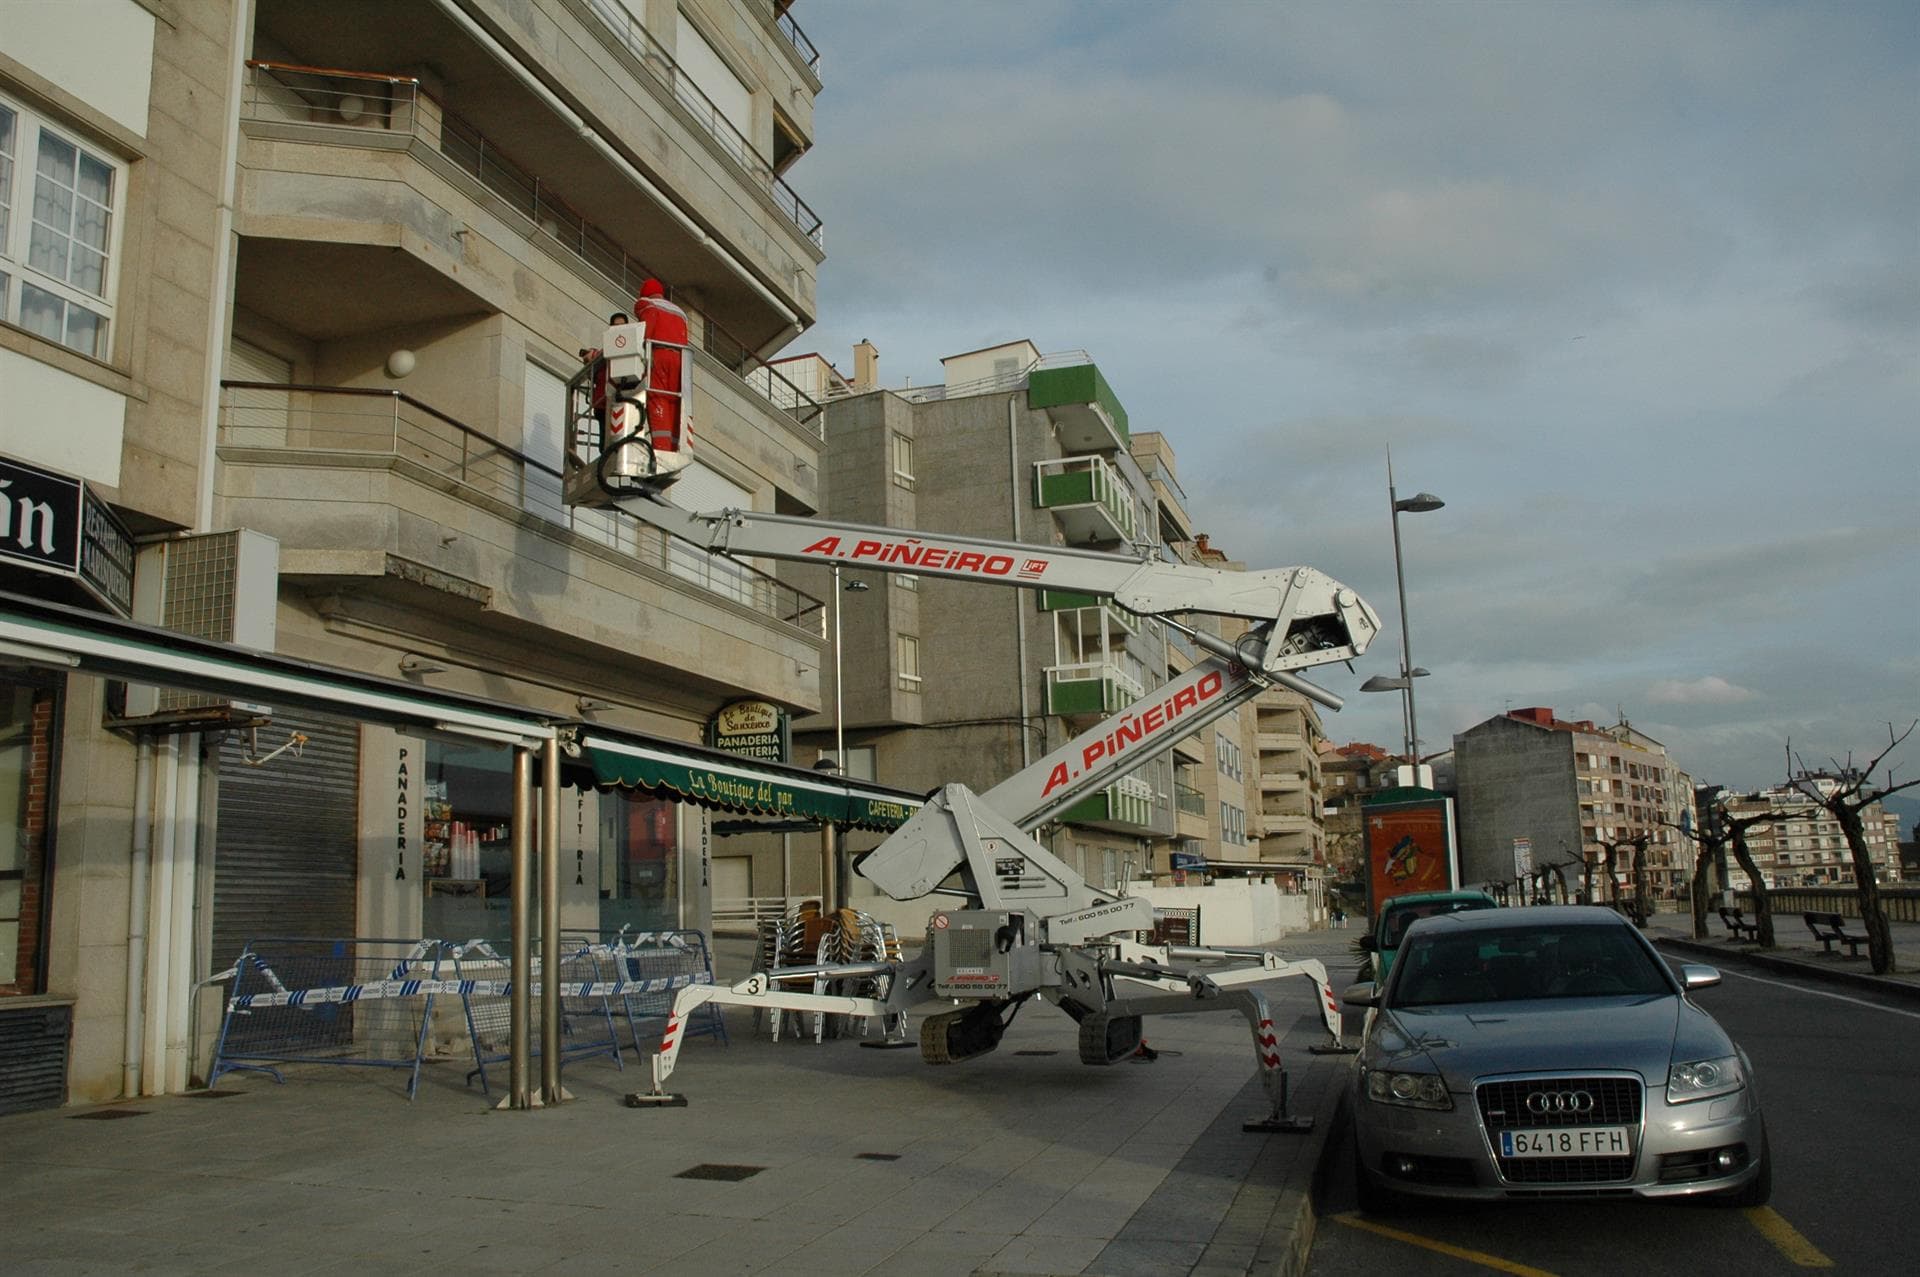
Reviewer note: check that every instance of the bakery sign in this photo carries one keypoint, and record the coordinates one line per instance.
(53, 523)
(752, 729)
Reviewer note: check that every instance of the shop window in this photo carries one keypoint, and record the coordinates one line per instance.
(27, 713)
(640, 863)
(618, 849)
(466, 853)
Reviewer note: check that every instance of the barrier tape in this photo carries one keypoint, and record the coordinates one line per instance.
(342, 993)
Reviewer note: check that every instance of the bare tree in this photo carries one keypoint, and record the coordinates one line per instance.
(1722, 829)
(1850, 793)
(1613, 847)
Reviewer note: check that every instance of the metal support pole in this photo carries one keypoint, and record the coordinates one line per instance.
(519, 1009)
(550, 1090)
(1406, 644)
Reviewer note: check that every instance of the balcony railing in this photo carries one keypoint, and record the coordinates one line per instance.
(1089, 499)
(653, 56)
(798, 39)
(1189, 799)
(1090, 687)
(316, 422)
(396, 106)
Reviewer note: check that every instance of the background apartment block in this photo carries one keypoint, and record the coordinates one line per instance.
(1574, 793)
(1802, 845)
(297, 290)
(948, 681)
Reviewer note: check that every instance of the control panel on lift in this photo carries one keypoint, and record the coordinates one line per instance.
(985, 953)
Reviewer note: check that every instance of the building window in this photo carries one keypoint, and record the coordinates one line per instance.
(908, 581)
(907, 649)
(59, 218)
(902, 460)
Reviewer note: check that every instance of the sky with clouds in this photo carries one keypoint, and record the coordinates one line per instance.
(1634, 287)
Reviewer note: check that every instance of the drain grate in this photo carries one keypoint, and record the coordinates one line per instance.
(106, 1115)
(878, 1157)
(211, 1095)
(720, 1171)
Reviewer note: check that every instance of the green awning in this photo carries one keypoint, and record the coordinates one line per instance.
(712, 780)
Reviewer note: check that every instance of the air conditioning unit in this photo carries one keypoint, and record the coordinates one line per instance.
(215, 585)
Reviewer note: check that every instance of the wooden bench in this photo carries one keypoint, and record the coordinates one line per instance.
(1829, 927)
(1738, 926)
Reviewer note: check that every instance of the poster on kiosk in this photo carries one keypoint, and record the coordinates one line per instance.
(1410, 848)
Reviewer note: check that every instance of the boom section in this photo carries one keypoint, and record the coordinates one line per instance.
(1313, 619)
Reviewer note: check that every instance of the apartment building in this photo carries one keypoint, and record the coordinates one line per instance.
(1569, 793)
(294, 296)
(1802, 845)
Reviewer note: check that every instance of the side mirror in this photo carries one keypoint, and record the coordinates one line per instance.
(1364, 994)
(1370, 942)
(1695, 976)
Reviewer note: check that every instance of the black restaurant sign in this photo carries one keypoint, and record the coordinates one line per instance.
(50, 522)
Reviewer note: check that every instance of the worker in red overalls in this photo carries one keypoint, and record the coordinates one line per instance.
(667, 407)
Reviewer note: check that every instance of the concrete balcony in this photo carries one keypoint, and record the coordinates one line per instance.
(1090, 688)
(1083, 409)
(438, 228)
(1087, 498)
(1087, 614)
(600, 106)
(1125, 806)
(378, 497)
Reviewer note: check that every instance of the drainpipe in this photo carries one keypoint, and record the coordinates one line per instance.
(159, 921)
(218, 309)
(137, 876)
(183, 897)
(1015, 496)
(538, 88)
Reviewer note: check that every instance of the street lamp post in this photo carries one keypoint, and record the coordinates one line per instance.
(1419, 503)
(833, 884)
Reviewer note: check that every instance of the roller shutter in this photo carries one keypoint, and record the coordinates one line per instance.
(286, 843)
(33, 1057)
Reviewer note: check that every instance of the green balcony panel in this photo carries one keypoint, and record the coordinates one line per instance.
(1066, 601)
(1077, 385)
(1083, 696)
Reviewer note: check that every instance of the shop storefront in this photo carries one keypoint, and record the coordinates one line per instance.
(361, 806)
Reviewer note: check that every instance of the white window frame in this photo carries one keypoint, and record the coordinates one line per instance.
(20, 192)
(900, 458)
(907, 656)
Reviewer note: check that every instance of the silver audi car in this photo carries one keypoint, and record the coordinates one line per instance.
(1548, 1052)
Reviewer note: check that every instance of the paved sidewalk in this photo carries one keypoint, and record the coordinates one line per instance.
(849, 1161)
(1796, 952)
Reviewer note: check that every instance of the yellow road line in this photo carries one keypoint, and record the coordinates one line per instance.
(1786, 1238)
(1353, 1220)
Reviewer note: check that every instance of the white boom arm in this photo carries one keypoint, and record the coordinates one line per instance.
(1300, 618)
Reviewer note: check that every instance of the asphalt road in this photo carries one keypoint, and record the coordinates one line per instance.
(1837, 1073)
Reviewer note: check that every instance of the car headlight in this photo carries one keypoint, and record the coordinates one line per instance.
(1414, 1090)
(1704, 1079)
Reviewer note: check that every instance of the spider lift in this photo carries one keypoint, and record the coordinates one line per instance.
(1025, 924)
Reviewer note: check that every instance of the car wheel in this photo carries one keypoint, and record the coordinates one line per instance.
(1757, 1191)
(1369, 1194)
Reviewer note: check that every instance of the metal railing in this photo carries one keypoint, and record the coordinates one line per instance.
(314, 421)
(997, 381)
(658, 62)
(798, 39)
(373, 104)
(1189, 799)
